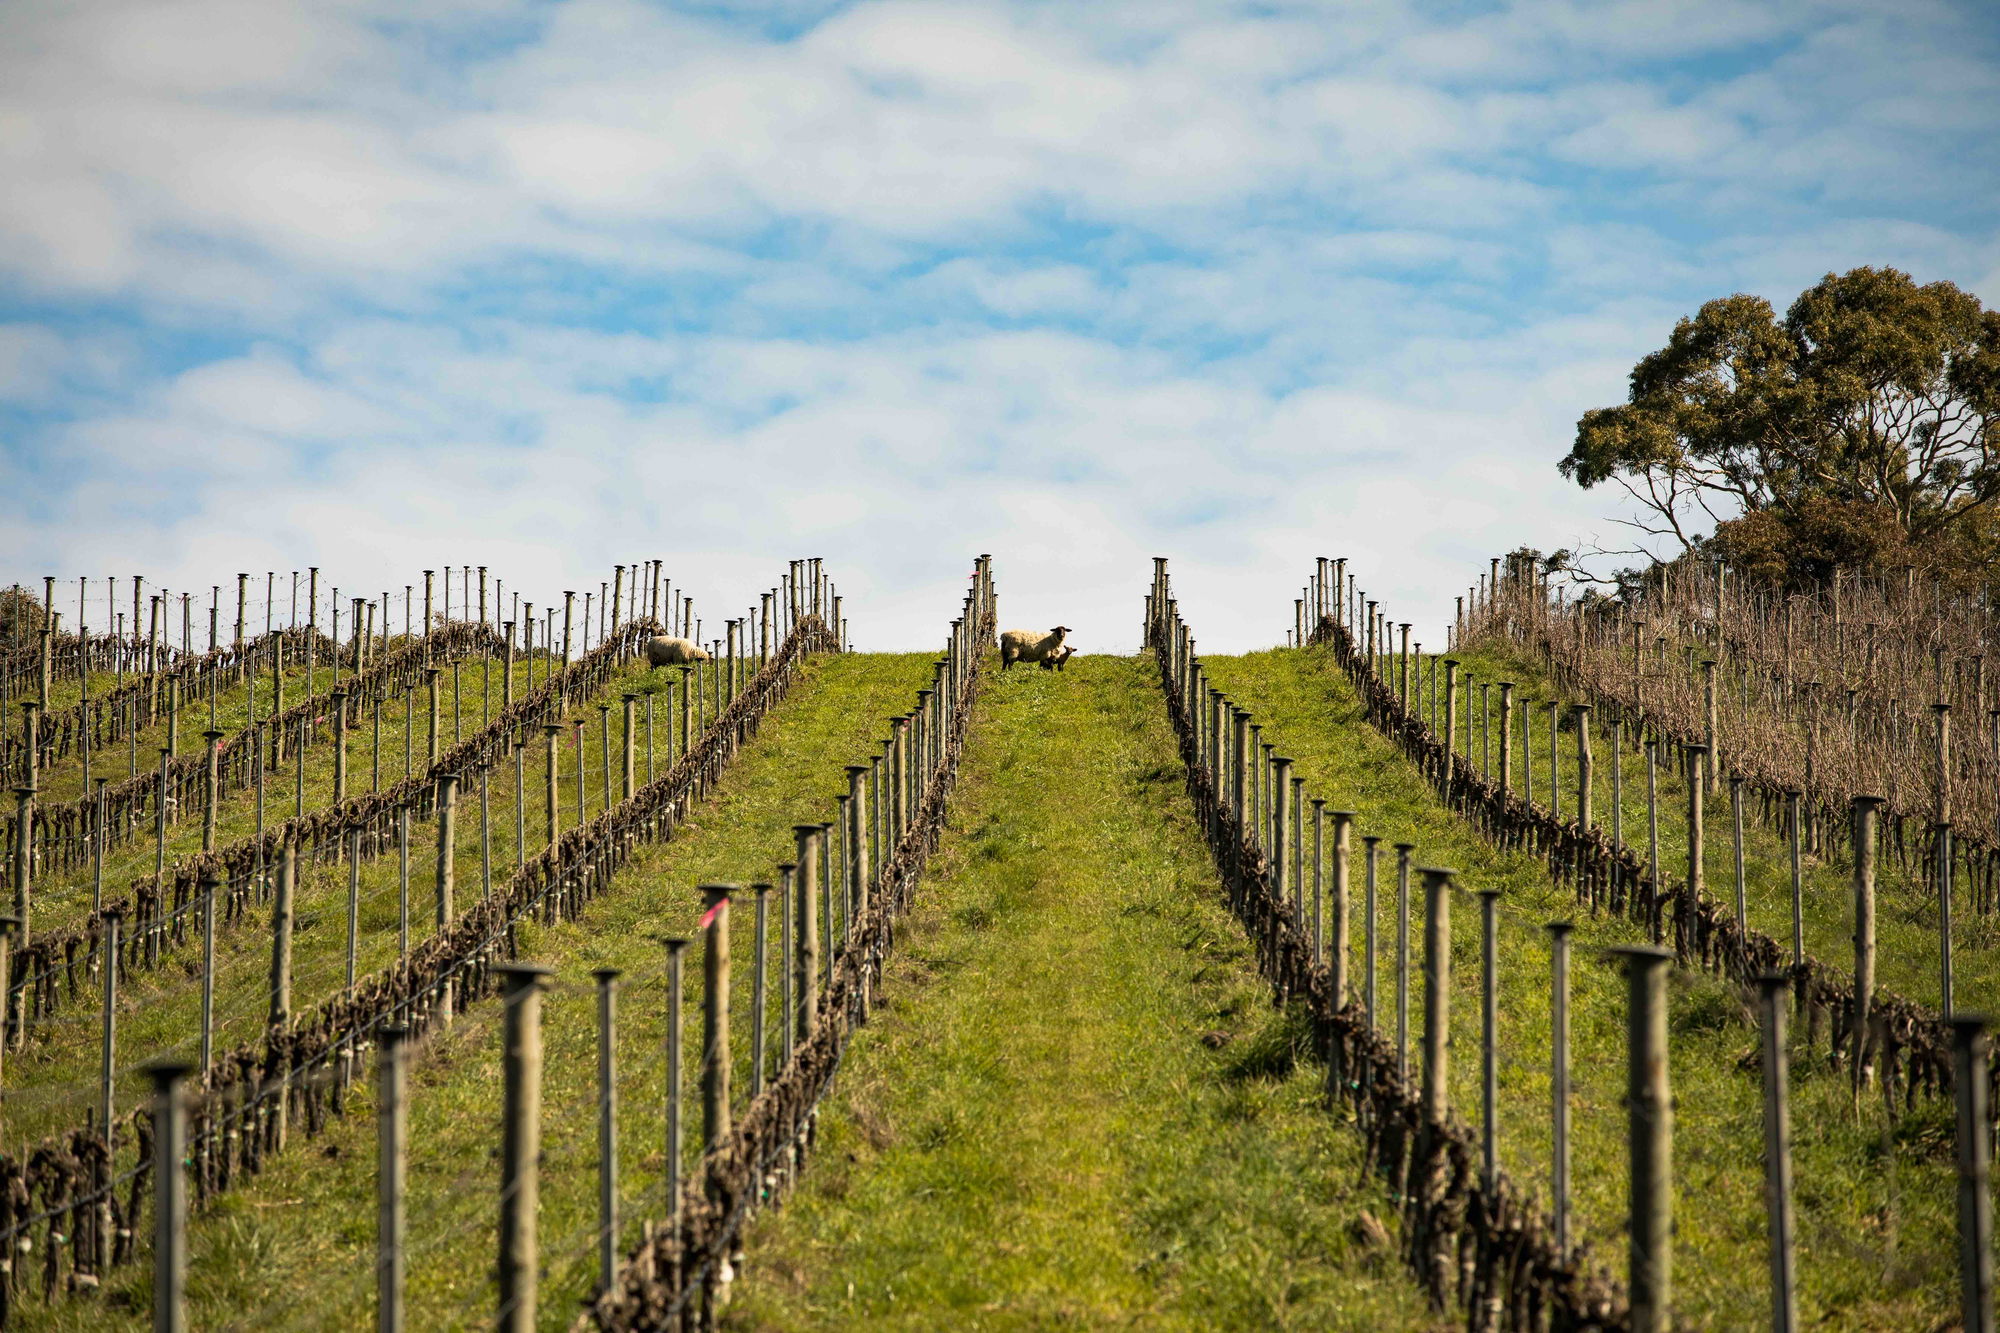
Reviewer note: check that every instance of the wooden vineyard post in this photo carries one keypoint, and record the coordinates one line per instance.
(676, 947)
(339, 701)
(521, 1146)
(210, 882)
(1697, 847)
(1866, 809)
(856, 889)
(1555, 759)
(99, 813)
(550, 730)
(1281, 862)
(1489, 1030)
(1371, 923)
(1340, 907)
(758, 994)
(160, 811)
(211, 789)
(1771, 987)
(107, 1065)
(1649, 1106)
(1450, 720)
(1941, 854)
(432, 738)
(1297, 842)
(1653, 912)
(169, 1195)
(1795, 837)
(1559, 1156)
(604, 752)
(447, 848)
(629, 767)
(1711, 740)
(1318, 924)
(507, 666)
(1736, 848)
(1437, 992)
(787, 960)
(715, 1048)
(1403, 867)
(1585, 767)
(806, 984)
(281, 935)
(1975, 1167)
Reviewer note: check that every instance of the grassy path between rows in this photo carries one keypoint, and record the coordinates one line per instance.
(1076, 1107)
(1876, 1228)
(295, 1248)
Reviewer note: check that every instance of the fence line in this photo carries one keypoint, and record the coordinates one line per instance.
(679, 1275)
(297, 1075)
(1471, 1236)
(1911, 1046)
(155, 913)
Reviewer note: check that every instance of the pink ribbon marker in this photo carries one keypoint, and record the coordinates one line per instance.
(709, 915)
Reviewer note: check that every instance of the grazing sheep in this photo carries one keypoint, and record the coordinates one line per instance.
(1020, 645)
(663, 651)
(1056, 660)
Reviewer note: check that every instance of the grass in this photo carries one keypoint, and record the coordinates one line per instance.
(63, 897)
(53, 1078)
(1076, 1107)
(307, 1224)
(62, 779)
(1876, 1223)
(1906, 925)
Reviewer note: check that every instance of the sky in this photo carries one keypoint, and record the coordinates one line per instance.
(548, 286)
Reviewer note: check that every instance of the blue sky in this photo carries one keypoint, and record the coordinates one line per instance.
(547, 286)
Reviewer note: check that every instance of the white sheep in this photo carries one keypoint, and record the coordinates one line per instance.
(1021, 645)
(664, 651)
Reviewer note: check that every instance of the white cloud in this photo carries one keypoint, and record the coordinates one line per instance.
(899, 281)
(1069, 458)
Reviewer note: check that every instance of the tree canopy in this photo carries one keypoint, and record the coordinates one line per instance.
(1867, 418)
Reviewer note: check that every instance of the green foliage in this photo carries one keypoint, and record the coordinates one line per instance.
(1860, 422)
(1805, 544)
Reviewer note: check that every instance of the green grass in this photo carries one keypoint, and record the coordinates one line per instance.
(62, 779)
(53, 1078)
(63, 897)
(1076, 1105)
(63, 691)
(1035, 1131)
(1906, 926)
(1876, 1222)
(295, 1248)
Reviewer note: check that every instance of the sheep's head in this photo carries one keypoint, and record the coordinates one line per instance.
(1059, 631)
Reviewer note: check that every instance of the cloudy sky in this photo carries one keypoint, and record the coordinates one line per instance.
(545, 286)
